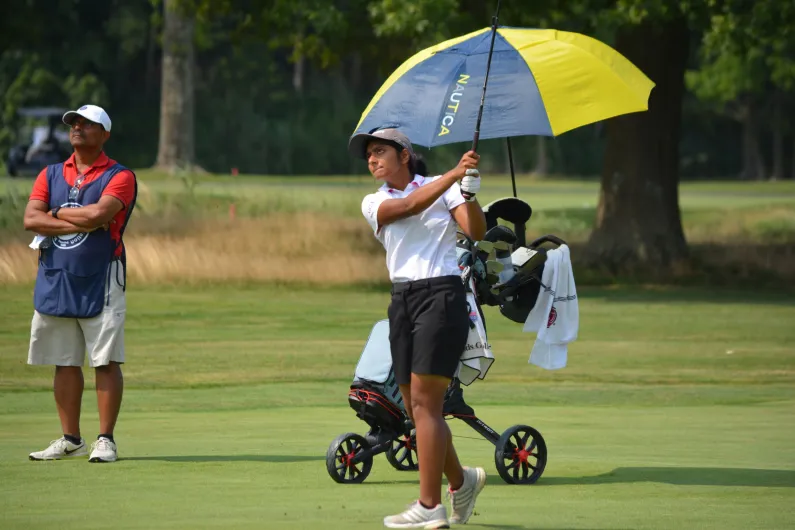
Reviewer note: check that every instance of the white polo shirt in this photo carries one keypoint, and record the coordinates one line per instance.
(421, 246)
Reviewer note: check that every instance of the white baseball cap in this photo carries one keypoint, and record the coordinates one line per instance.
(91, 113)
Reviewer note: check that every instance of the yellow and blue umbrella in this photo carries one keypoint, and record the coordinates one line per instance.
(540, 82)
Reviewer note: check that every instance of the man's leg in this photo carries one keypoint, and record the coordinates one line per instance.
(105, 343)
(68, 389)
(59, 341)
(110, 387)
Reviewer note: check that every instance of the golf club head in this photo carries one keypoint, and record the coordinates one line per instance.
(466, 260)
(526, 259)
(492, 279)
(530, 262)
(494, 267)
(485, 246)
(502, 234)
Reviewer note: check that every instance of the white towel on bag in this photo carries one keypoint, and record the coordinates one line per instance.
(556, 316)
(476, 359)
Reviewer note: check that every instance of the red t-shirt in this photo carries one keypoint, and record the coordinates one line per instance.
(121, 186)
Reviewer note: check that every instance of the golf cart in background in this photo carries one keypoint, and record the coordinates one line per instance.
(41, 139)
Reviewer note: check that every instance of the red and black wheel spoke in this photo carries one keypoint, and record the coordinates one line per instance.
(402, 454)
(520, 455)
(340, 459)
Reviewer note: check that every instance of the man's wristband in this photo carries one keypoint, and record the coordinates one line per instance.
(55, 212)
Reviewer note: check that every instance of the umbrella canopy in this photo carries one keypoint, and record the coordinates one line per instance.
(541, 82)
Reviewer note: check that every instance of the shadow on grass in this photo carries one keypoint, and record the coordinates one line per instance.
(415, 480)
(471, 524)
(279, 459)
(678, 476)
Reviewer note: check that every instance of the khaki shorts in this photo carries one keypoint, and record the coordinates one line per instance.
(64, 341)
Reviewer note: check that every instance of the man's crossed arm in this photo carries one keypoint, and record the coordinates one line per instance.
(38, 217)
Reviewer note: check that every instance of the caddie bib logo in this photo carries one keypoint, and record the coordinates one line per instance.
(70, 241)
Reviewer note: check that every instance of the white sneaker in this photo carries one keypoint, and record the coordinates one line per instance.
(462, 500)
(61, 448)
(103, 450)
(418, 516)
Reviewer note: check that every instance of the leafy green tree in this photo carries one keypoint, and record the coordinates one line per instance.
(748, 52)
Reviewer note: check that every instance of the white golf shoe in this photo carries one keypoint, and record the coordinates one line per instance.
(418, 516)
(103, 450)
(60, 449)
(463, 499)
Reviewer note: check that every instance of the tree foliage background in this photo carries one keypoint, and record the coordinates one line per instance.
(280, 84)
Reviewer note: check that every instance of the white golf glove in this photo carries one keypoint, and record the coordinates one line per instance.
(470, 184)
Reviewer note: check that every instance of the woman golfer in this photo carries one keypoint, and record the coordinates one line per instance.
(414, 218)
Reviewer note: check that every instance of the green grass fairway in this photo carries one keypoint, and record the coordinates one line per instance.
(676, 411)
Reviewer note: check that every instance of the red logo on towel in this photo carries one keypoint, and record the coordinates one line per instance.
(553, 316)
(473, 315)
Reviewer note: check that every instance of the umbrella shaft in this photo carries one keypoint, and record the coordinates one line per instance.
(510, 163)
(494, 20)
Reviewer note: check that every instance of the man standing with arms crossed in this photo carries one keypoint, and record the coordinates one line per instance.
(83, 206)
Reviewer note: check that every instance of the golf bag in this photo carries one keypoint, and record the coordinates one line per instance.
(506, 271)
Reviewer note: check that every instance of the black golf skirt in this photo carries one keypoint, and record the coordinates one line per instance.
(428, 327)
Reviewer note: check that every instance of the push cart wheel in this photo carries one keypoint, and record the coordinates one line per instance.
(340, 455)
(402, 454)
(521, 455)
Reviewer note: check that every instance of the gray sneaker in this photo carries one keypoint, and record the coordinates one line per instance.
(462, 500)
(418, 516)
(59, 449)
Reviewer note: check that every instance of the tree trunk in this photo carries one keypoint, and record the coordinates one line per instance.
(778, 137)
(542, 160)
(792, 163)
(559, 166)
(298, 73)
(150, 71)
(299, 60)
(753, 162)
(177, 149)
(638, 218)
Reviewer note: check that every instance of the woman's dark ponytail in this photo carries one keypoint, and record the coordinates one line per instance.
(417, 166)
